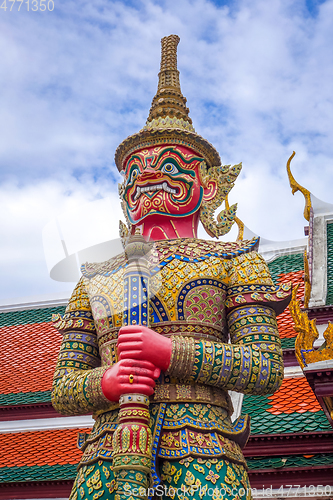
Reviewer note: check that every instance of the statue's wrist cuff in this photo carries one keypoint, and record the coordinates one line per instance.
(182, 357)
(93, 387)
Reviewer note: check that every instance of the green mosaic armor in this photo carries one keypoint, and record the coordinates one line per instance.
(203, 295)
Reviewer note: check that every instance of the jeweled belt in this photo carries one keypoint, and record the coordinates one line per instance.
(188, 393)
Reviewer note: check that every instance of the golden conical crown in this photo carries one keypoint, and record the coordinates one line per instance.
(168, 121)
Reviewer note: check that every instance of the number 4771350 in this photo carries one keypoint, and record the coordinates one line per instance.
(29, 5)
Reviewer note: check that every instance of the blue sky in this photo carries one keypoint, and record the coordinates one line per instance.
(78, 80)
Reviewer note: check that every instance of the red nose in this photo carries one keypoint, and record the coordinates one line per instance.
(150, 174)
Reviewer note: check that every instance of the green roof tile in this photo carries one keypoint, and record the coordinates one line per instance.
(289, 461)
(329, 295)
(285, 264)
(37, 473)
(267, 423)
(29, 316)
(25, 398)
(255, 405)
(288, 343)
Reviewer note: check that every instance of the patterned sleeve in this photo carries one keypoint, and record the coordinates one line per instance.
(253, 362)
(78, 374)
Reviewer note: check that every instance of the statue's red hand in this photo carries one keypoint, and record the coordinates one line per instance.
(116, 380)
(140, 342)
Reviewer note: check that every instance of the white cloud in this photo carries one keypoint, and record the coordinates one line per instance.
(78, 80)
(25, 211)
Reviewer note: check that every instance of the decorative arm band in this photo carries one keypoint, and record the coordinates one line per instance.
(78, 375)
(80, 392)
(253, 366)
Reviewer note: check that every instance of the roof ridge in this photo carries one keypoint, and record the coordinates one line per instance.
(25, 305)
(30, 316)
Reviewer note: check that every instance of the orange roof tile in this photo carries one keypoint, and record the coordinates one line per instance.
(284, 320)
(29, 353)
(295, 395)
(56, 447)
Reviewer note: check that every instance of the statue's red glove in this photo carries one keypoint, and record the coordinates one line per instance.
(140, 342)
(116, 380)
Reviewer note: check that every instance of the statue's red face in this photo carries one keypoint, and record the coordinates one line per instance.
(162, 180)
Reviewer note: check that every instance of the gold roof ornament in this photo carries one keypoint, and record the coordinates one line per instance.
(168, 121)
(307, 334)
(297, 187)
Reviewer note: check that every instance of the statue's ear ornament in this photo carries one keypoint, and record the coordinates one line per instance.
(124, 229)
(121, 189)
(224, 176)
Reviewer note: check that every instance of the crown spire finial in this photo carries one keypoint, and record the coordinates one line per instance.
(169, 74)
(169, 101)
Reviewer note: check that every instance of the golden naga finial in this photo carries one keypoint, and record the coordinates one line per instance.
(297, 187)
(307, 334)
(239, 223)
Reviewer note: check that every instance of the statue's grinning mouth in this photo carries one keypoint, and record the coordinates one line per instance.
(152, 188)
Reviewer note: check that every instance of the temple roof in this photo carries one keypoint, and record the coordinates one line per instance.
(53, 447)
(39, 456)
(292, 409)
(29, 342)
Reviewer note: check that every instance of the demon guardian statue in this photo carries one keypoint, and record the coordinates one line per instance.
(154, 338)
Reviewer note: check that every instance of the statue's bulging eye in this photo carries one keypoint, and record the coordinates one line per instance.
(170, 168)
(134, 174)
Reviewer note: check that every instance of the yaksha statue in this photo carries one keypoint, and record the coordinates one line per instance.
(154, 339)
